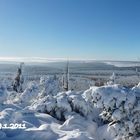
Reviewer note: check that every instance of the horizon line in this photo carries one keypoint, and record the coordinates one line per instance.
(45, 59)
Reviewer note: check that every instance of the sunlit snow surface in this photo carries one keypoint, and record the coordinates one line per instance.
(108, 112)
(88, 112)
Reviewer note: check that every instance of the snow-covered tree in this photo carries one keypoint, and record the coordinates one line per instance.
(65, 78)
(19, 79)
(50, 85)
(112, 79)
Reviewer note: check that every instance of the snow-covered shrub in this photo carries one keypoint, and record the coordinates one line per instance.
(52, 105)
(46, 104)
(120, 108)
(78, 103)
(50, 85)
(30, 93)
(62, 104)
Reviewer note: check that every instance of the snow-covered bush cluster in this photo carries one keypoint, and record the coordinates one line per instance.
(47, 86)
(120, 109)
(112, 110)
(62, 104)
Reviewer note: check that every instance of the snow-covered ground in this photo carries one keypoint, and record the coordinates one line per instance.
(44, 112)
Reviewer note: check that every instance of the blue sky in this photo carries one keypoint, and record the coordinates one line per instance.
(74, 29)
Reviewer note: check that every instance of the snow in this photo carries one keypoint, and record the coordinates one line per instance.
(3, 93)
(30, 93)
(109, 112)
(50, 85)
(123, 63)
